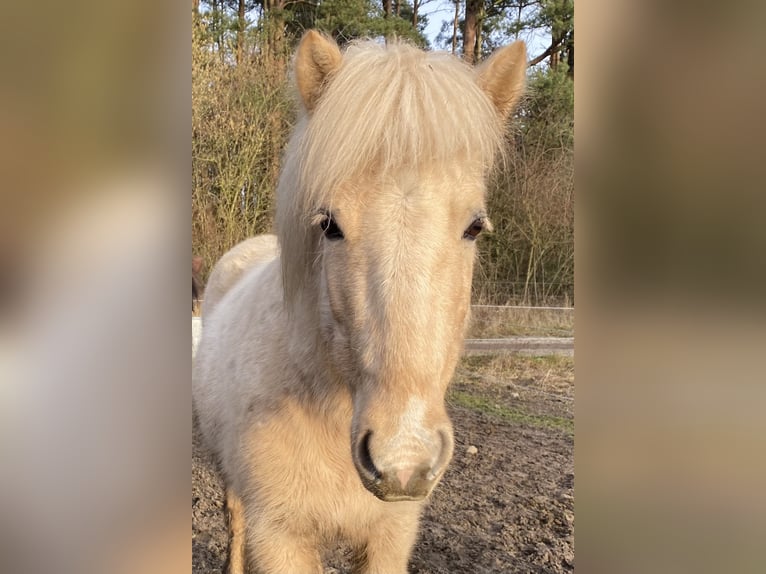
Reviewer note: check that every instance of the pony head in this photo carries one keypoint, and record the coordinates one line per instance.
(379, 206)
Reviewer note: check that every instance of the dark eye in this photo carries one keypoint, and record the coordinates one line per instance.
(474, 229)
(330, 228)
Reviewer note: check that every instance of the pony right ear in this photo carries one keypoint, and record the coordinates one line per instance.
(317, 58)
(503, 75)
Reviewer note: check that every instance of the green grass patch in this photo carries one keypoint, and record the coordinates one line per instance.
(506, 414)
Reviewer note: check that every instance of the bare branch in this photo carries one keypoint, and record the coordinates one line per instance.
(552, 48)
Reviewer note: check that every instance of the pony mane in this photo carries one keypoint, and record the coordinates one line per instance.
(386, 108)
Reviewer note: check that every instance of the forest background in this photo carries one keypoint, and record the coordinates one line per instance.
(243, 112)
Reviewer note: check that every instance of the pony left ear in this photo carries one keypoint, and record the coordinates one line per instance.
(317, 58)
(503, 77)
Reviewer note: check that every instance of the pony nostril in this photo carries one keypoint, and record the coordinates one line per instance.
(365, 458)
(445, 455)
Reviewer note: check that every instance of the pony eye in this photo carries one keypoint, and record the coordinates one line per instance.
(330, 228)
(474, 229)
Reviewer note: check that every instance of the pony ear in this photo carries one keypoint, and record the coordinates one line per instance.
(317, 58)
(503, 76)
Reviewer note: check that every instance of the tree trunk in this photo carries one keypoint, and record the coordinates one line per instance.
(570, 55)
(554, 61)
(275, 26)
(558, 37)
(196, 20)
(454, 27)
(386, 8)
(415, 4)
(218, 10)
(240, 30)
(472, 9)
(479, 26)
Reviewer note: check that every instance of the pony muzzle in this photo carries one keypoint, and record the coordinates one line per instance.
(404, 479)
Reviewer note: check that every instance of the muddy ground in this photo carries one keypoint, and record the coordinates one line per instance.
(508, 508)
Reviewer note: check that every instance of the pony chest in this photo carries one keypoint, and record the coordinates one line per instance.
(305, 463)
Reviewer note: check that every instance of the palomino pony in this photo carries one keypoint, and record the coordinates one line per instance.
(321, 373)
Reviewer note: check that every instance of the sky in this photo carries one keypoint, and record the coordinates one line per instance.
(441, 10)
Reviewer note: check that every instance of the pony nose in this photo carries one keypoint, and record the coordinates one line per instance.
(406, 481)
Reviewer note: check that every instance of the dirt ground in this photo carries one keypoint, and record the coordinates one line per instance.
(507, 508)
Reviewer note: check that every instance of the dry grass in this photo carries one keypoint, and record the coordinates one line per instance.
(550, 373)
(499, 322)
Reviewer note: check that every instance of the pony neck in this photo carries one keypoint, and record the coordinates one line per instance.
(308, 350)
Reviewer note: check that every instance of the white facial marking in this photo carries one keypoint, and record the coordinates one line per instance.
(412, 439)
(411, 420)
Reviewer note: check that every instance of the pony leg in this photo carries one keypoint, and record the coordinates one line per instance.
(236, 512)
(274, 551)
(389, 546)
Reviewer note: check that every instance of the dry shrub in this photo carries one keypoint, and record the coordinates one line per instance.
(241, 118)
(530, 256)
